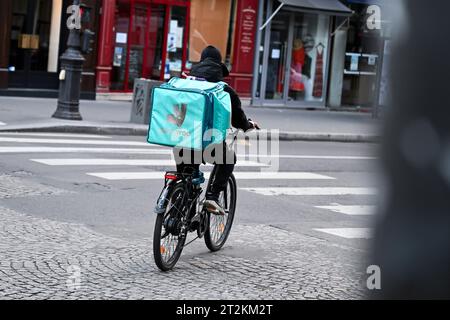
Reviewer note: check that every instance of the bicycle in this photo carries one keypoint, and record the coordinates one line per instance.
(180, 211)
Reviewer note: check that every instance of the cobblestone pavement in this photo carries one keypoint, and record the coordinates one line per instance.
(45, 259)
(16, 186)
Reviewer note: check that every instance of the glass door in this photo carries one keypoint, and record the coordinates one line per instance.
(176, 51)
(153, 62)
(138, 43)
(277, 58)
(120, 54)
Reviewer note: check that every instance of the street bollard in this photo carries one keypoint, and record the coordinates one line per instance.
(142, 95)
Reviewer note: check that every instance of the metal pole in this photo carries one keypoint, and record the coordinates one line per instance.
(376, 104)
(70, 77)
(257, 62)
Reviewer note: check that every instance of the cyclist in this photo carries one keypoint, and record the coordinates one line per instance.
(211, 68)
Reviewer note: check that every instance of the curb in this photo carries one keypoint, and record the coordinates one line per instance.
(141, 130)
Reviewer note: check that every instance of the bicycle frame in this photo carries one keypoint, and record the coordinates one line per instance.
(186, 214)
(172, 179)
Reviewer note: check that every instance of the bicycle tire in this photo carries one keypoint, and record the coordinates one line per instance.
(158, 247)
(212, 244)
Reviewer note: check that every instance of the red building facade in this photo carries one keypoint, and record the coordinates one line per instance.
(159, 39)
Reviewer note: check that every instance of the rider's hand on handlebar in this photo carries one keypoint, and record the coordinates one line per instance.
(254, 124)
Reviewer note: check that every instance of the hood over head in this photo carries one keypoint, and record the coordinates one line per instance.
(210, 66)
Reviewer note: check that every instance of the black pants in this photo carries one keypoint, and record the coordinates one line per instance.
(223, 158)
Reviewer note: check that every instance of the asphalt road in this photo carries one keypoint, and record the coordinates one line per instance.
(322, 198)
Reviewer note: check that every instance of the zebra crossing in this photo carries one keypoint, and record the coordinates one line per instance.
(350, 210)
(313, 191)
(38, 145)
(348, 233)
(121, 162)
(254, 175)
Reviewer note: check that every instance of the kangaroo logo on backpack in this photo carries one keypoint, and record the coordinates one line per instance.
(179, 114)
(183, 111)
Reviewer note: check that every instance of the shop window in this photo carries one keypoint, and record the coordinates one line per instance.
(175, 42)
(361, 60)
(293, 56)
(30, 35)
(309, 57)
(140, 37)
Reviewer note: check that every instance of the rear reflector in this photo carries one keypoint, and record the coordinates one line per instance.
(171, 177)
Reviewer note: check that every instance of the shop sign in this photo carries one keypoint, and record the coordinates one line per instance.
(246, 31)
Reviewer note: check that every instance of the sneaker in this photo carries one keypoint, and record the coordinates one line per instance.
(212, 206)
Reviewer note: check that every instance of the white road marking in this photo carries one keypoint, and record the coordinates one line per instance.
(83, 150)
(238, 175)
(313, 191)
(11, 138)
(123, 162)
(349, 233)
(55, 135)
(109, 150)
(280, 176)
(2, 124)
(74, 141)
(350, 210)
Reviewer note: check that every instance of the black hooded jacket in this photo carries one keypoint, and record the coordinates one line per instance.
(212, 71)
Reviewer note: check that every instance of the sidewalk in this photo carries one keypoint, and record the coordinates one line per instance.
(112, 117)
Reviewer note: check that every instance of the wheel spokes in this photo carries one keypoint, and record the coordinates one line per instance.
(168, 247)
(218, 223)
(169, 242)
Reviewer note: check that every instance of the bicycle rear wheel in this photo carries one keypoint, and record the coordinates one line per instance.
(169, 237)
(218, 226)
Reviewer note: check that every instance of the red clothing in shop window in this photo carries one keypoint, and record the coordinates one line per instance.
(298, 61)
(318, 81)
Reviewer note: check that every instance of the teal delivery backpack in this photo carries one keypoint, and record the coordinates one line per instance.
(189, 114)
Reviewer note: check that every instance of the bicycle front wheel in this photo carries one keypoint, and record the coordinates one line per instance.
(169, 237)
(219, 227)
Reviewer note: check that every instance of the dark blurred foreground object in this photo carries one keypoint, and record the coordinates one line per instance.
(412, 243)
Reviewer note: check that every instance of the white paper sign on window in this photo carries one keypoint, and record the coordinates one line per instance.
(173, 26)
(179, 40)
(354, 65)
(121, 37)
(275, 54)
